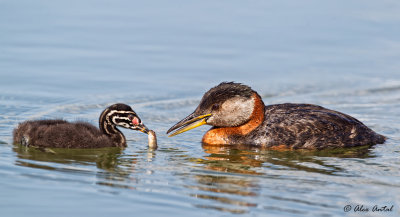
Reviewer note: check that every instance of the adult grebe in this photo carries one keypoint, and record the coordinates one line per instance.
(239, 116)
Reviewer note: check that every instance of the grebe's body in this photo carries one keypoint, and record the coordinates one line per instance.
(239, 117)
(63, 134)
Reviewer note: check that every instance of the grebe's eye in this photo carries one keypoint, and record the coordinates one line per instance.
(215, 107)
(130, 117)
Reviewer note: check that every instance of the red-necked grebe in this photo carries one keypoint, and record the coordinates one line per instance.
(63, 134)
(239, 117)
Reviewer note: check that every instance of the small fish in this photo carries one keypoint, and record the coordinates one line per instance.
(152, 139)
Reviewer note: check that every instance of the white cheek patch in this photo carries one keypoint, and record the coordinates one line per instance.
(238, 106)
(236, 111)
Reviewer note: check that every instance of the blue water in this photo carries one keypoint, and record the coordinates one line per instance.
(71, 59)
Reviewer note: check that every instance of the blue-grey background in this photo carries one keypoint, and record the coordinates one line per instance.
(70, 59)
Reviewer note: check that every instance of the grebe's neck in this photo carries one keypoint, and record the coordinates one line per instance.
(107, 127)
(222, 135)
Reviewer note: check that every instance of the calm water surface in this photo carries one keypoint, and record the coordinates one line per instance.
(72, 59)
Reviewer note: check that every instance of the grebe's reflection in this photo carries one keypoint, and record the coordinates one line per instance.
(245, 159)
(115, 167)
(233, 176)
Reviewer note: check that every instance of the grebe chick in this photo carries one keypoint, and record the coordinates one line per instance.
(239, 117)
(63, 134)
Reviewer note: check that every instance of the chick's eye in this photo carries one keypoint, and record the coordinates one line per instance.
(130, 117)
(215, 107)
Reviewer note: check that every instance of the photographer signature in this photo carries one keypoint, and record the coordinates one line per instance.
(362, 208)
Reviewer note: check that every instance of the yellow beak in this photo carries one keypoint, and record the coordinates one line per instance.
(188, 123)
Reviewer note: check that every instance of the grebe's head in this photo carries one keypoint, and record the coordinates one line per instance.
(122, 115)
(226, 105)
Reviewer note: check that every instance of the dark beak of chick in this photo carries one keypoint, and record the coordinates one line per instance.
(142, 128)
(190, 122)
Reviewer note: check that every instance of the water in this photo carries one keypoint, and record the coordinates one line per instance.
(71, 59)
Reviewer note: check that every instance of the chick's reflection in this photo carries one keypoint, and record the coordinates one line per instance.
(115, 168)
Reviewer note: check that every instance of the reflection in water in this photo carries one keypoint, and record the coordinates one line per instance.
(233, 176)
(115, 168)
(228, 179)
(244, 159)
(222, 190)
